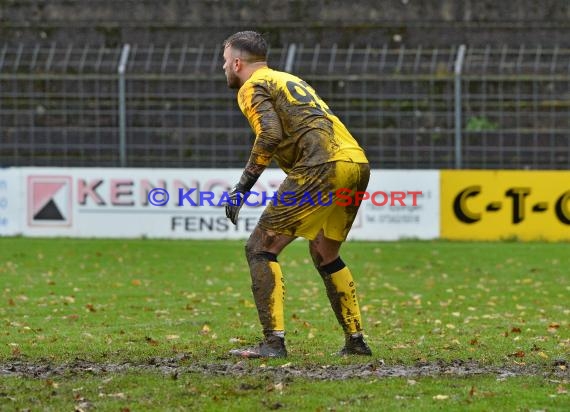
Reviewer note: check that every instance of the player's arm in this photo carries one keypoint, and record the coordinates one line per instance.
(257, 106)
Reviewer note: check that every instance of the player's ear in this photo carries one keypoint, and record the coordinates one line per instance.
(238, 64)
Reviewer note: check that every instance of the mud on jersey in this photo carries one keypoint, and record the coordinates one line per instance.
(292, 124)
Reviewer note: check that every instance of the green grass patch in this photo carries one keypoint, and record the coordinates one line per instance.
(130, 299)
(156, 392)
(113, 301)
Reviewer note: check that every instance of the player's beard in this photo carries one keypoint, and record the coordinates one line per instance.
(233, 80)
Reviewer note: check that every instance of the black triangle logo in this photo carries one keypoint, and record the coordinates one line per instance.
(49, 212)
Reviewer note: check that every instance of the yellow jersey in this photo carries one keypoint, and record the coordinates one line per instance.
(292, 124)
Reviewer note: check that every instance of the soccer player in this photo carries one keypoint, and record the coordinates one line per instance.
(296, 128)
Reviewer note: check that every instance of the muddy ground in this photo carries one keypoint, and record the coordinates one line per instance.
(374, 369)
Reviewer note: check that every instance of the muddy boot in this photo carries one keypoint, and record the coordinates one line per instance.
(271, 347)
(355, 345)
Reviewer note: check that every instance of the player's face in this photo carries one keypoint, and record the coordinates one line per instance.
(229, 69)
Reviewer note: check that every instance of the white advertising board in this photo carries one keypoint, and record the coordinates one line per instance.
(10, 202)
(115, 203)
(188, 203)
(403, 204)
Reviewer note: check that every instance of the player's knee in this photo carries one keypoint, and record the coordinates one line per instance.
(253, 252)
(249, 249)
(321, 254)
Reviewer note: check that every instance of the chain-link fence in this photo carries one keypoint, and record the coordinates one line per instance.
(144, 106)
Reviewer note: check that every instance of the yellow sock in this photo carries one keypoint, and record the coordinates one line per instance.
(342, 296)
(269, 293)
(277, 298)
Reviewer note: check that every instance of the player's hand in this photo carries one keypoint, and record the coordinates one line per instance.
(237, 199)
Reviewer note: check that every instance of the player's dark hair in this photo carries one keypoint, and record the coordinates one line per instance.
(249, 42)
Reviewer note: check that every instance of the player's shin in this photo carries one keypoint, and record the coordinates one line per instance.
(269, 293)
(341, 292)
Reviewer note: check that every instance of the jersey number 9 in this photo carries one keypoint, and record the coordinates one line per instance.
(304, 93)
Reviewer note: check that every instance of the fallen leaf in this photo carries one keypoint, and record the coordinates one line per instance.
(517, 354)
(151, 341)
(51, 384)
(118, 395)
(553, 327)
(441, 397)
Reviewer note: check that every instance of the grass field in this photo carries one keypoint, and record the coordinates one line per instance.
(147, 324)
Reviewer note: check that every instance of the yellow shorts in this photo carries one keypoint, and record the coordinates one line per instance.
(307, 202)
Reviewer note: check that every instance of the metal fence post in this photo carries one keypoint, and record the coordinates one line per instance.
(122, 105)
(290, 57)
(458, 104)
